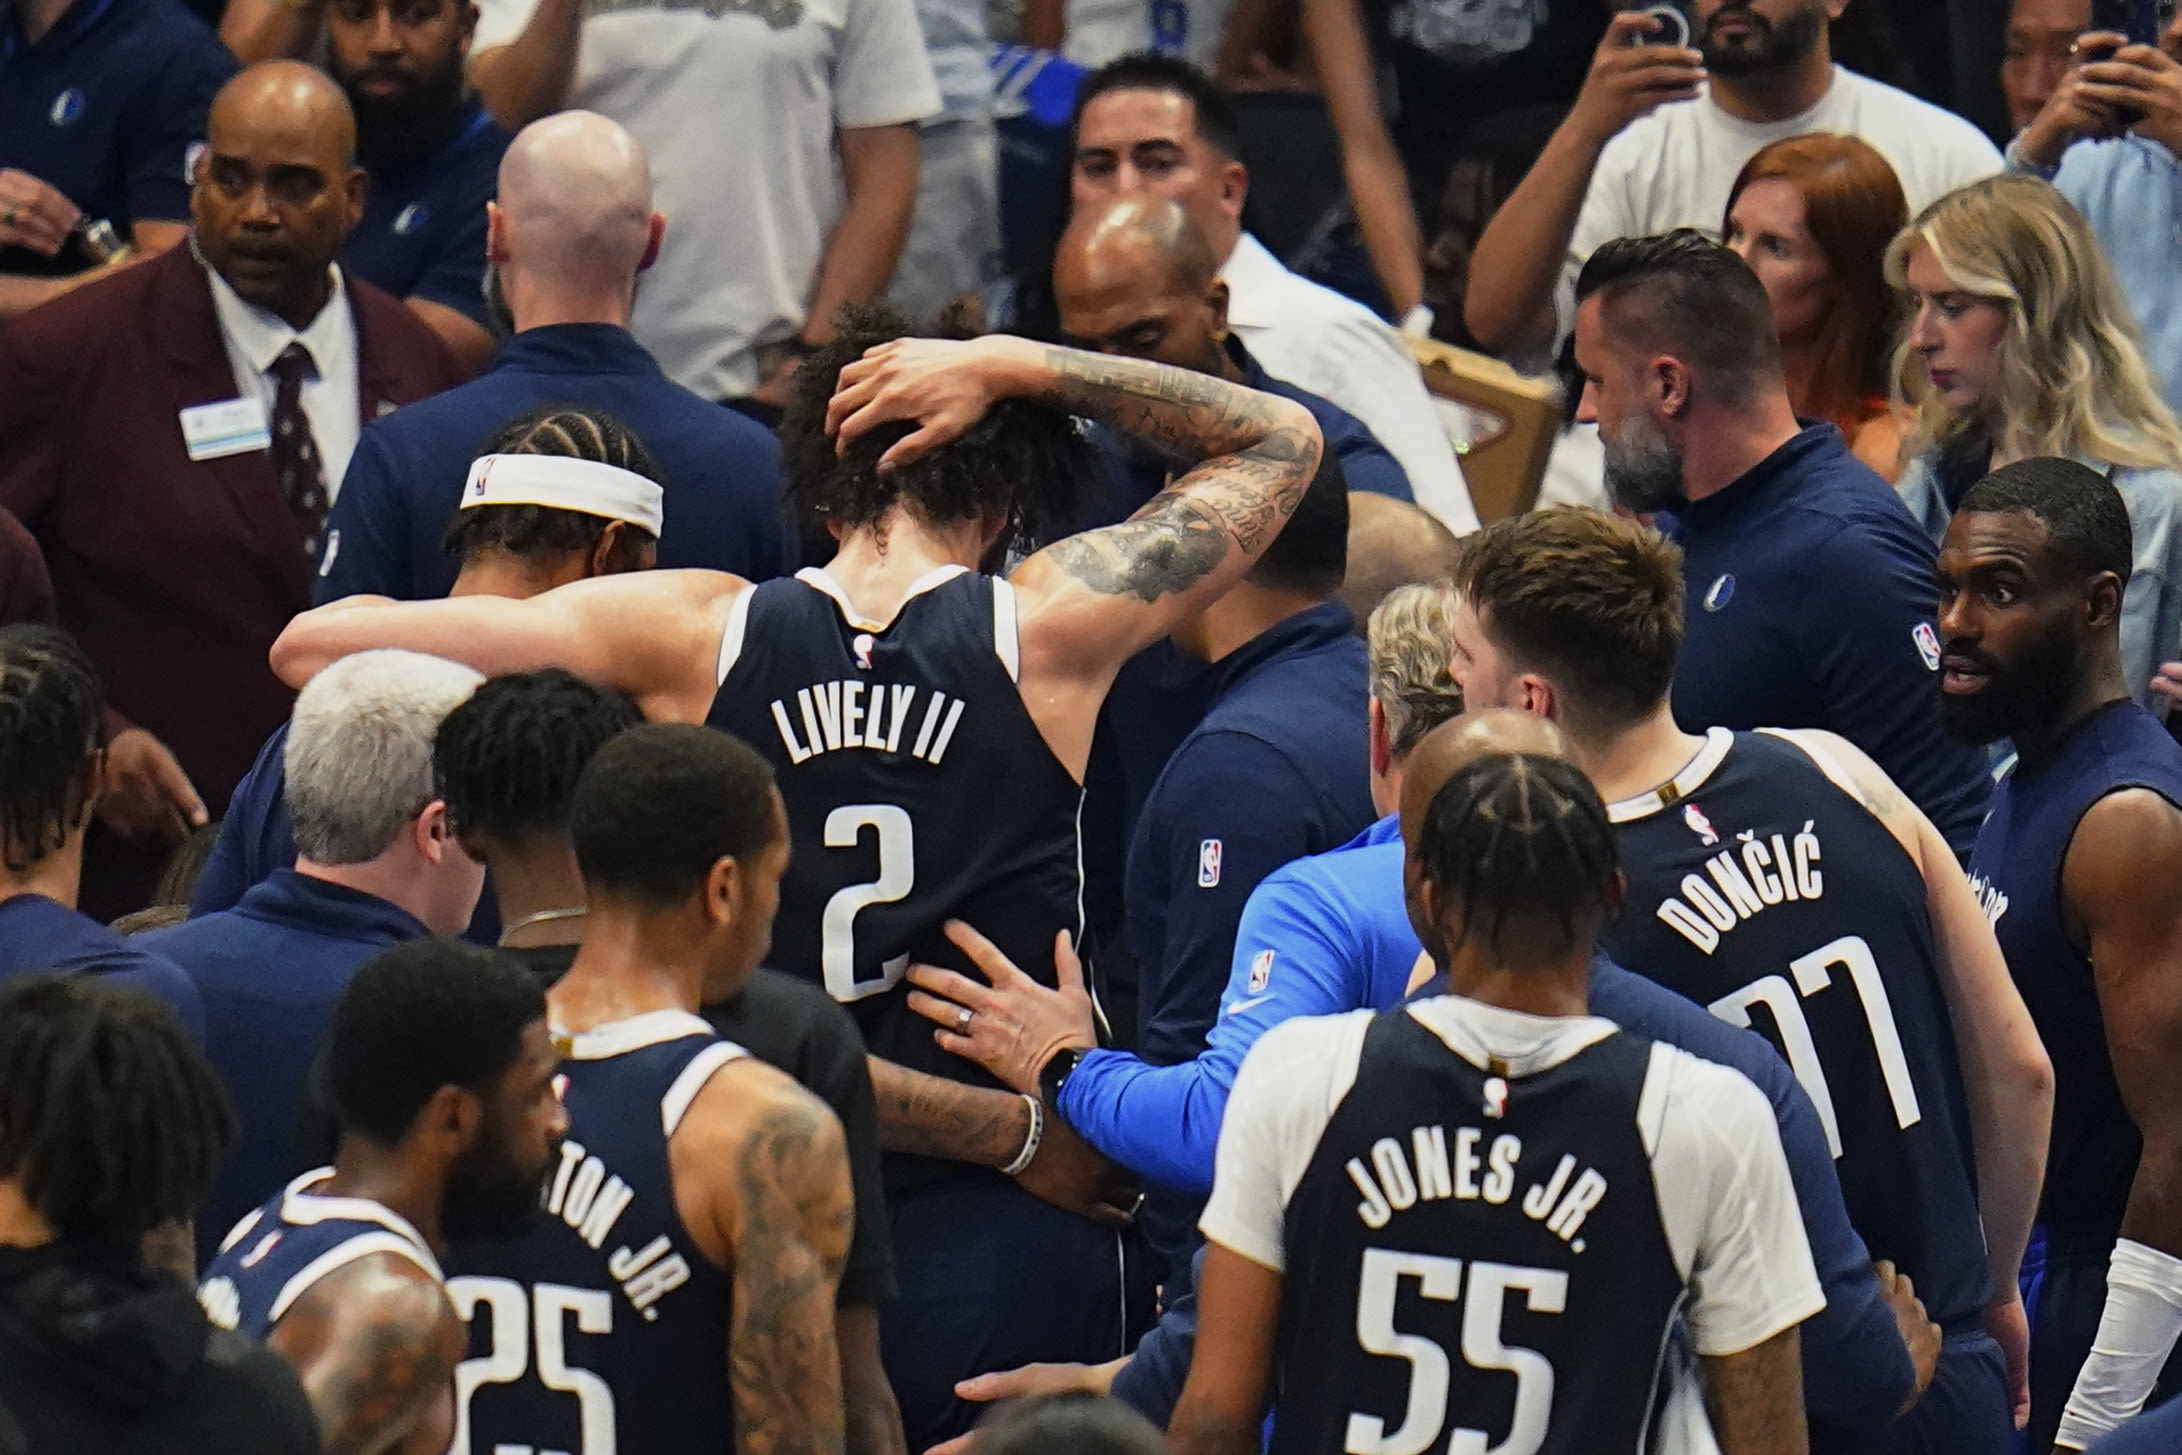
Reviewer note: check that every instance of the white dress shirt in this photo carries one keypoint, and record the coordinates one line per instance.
(1315, 339)
(331, 394)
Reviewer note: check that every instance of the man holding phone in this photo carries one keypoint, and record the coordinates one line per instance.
(2111, 139)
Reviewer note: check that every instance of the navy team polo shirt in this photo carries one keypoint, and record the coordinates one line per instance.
(423, 230)
(105, 109)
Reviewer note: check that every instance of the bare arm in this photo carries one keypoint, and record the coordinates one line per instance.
(874, 1418)
(1223, 1405)
(531, 75)
(1756, 1398)
(375, 1346)
(466, 338)
(1519, 259)
(265, 30)
(654, 635)
(930, 1116)
(1378, 182)
(879, 171)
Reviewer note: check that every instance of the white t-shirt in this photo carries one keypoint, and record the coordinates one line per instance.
(1674, 168)
(737, 103)
(1315, 339)
(1098, 31)
(1725, 1199)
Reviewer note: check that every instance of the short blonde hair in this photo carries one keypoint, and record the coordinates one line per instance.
(2073, 377)
(1411, 642)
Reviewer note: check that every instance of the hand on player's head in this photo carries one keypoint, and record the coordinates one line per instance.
(941, 385)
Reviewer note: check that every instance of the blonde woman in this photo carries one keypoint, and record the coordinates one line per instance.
(2020, 344)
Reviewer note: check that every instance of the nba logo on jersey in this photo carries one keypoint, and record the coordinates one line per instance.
(1928, 645)
(861, 646)
(1700, 825)
(1208, 864)
(1496, 1097)
(1261, 971)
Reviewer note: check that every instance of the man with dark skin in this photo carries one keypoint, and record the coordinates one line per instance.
(2077, 865)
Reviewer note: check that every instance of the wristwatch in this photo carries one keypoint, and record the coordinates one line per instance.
(1055, 1073)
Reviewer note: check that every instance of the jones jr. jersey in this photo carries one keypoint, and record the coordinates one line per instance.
(1487, 1223)
(1762, 889)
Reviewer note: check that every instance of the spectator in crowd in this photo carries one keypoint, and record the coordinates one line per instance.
(2110, 138)
(1511, 873)
(1658, 134)
(173, 437)
(1392, 545)
(111, 1125)
(444, 1070)
(100, 102)
(783, 139)
(2077, 866)
(52, 771)
(1812, 216)
(507, 762)
(1134, 277)
(431, 151)
(1682, 373)
(2021, 346)
(26, 589)
(572, 229)
(1147, 123)
(519, 536)
(953, 246)
(376, 864)
(2040, 51)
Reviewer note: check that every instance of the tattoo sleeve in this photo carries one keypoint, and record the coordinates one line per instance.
(373, 1350)
(792, 1187)
(934, 1117)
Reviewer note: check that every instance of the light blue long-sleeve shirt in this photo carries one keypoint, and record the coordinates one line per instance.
(2130, 191)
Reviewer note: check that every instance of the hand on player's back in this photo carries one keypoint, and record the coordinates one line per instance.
(1918, 1331)
(941, 385)
(1014, 1024)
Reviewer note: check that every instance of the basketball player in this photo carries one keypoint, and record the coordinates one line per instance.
(442, 1070)
(930, 727)
(1494, 1182)
(2078, 866)
(677, 1296)
(1780, 879)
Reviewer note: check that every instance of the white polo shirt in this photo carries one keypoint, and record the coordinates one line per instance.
(738, 103)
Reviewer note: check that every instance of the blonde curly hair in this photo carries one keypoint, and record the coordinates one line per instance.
(1410, 640)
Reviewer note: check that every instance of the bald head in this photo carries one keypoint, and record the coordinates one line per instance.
(276, 189)
(1452, 746)
(1392, 544)
(575, 204)
(1134, 276)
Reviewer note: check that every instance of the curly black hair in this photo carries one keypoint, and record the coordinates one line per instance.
(50, 701)
(1025, 460)
(507, 761)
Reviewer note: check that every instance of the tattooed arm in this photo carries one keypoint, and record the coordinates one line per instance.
(761, 1178)
(375, 1346)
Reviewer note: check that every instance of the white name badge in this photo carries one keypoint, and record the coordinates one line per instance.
(231, 427)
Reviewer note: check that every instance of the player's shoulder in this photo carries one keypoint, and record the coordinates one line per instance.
(746, 1104)
(1701, 1108)
(394, 1291)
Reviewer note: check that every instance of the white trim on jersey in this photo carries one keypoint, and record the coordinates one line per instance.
(243, 1226)
(1827, 763)
(301, 1207)
(816, 577)
(731, 636)
(1005, 641)
(363, 1245)
(1692, 777)
(676, 1103)
(618, 1038)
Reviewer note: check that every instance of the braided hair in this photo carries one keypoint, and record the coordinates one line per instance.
(111, 1119)
(50, 701)
(544, 533)
(1520, 849)
(506, 761)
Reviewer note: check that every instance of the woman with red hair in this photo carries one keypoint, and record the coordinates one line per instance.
(1813, 215)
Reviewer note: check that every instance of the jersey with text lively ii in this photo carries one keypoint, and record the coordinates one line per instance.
(603, 1330)
(1762, 889)
(275, 1254)
(918, 791)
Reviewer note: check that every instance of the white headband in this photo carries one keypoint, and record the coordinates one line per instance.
(585, 486)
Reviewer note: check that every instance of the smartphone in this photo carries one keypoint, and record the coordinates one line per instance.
(1674, 24)
(2142, 21)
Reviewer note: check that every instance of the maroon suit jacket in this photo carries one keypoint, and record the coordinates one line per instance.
(26, 592)
(174, 574)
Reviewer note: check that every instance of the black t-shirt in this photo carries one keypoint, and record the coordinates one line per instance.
(797, 1027)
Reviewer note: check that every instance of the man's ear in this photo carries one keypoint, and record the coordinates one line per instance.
(496, 234)
(357, 184)
(2102, 599)
(1382, 751)
(453, 1117)
(435, 833)
(602, 554)
(1537, 696)
(651, 248)
(1234, 189)
(1671, 381)
(1216, 298)
(723, 890)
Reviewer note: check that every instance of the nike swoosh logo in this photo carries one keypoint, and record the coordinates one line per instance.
(1243, 1005)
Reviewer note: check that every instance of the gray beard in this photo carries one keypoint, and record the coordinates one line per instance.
(1643, 471)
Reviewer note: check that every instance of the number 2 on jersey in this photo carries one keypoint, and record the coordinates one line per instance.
(897, 876)
(1785, 1005)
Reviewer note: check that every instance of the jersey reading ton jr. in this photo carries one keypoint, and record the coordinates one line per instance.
(1762, 889)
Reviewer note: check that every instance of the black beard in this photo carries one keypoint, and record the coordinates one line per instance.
(1776, 48)
(2027, 695)
(489, 1197)
(1643, 477)
(394, 133)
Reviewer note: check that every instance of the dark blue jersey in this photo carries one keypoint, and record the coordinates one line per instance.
(918, 791)
(2016, 870)
(603, 1328)
(1762, 889)
(273, 1256)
